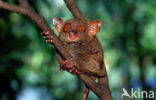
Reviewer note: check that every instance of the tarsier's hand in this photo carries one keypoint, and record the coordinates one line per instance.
(48, 37)
(69, 66)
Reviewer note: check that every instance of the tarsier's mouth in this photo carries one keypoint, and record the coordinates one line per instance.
(79, 43)
(76, 44)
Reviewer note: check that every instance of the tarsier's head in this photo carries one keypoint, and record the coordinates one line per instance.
(74, 30)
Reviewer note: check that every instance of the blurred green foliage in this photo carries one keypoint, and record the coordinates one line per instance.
(28, 65)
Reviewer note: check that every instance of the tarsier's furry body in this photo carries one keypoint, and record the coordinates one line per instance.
(79, 38)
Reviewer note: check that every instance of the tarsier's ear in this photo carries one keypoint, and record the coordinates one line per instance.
(58, 23)
(94, 27)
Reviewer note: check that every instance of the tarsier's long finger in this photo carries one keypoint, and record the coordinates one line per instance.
(49, 41)
(45, 33)
(48, 37)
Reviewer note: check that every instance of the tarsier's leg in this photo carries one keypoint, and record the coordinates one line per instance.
(86, 92)
(69, 66)
(48, 37)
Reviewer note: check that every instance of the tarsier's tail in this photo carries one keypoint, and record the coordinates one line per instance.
(86, 92)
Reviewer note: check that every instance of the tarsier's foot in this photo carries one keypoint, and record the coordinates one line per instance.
(48, 37)
(69, 66)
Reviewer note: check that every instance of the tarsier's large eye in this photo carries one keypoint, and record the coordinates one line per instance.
(67, 27)
(81, 28)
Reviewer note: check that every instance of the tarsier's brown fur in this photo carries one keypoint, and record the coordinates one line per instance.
(84, 47)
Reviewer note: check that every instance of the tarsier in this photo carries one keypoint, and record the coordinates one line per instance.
(78, 36)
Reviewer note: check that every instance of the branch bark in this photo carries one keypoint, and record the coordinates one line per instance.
(24, 9)
(74, 9)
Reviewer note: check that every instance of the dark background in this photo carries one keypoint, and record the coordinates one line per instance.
(28, 65)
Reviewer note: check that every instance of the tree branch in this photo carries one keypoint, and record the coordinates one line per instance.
(24, 9)
(74, 9)
(12, 8)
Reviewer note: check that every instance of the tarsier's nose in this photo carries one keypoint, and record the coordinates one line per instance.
(73, 35)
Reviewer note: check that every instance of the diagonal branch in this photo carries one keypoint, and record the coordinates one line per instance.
(24, 9)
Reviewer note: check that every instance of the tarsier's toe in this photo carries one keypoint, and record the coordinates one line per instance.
(75, 71)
